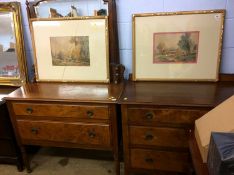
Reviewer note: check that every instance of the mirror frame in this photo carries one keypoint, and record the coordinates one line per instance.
(14, 7)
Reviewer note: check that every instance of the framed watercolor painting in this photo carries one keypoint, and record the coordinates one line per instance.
(178, 46)
(66, 49)
(13, 69)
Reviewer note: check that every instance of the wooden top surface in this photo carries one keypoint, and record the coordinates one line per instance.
(71, 92)
(180, 94)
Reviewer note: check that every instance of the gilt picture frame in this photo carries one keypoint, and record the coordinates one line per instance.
(71, 49)
(13, 68)
(177, 46)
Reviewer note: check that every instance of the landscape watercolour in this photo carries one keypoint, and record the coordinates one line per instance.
(175, 47)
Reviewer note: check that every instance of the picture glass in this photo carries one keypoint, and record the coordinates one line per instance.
(8, 57)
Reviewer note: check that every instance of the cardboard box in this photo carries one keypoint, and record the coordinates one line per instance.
(220, 119)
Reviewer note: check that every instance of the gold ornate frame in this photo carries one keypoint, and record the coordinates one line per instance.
(222, 15)
(14, 7)
(105, 18)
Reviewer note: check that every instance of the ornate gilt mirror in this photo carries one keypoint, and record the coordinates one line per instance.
(13, 71)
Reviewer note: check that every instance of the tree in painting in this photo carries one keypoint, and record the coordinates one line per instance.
(176, 47)
(186, 43)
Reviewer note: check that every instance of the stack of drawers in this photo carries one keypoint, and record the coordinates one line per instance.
(47, 123)
(156, 138)
(66, 115)
(70, 125)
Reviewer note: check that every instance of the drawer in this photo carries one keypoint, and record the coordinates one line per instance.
(174, 116)
(59, 110)
(159, 160)
(78, 133)
(7, 148)
(170, 137)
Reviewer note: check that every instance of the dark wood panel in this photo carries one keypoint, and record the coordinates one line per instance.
(7, 148)
(191, 94)
(200, 167)
(164, 116)
(62, 110)
(79, 133)
(9, 151)
(159, 160)
(168, 137)
(6, 131)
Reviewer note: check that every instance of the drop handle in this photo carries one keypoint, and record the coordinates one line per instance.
(92, 134)
(149, 116)
(149, 160)
(90, 114)
(34, 131)
(149, 137)
(29, 110)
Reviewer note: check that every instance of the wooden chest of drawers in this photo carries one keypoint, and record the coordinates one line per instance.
(156, 121)
(49, 118)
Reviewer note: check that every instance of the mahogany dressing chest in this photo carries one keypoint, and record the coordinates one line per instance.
(157, 118)
(66, 115)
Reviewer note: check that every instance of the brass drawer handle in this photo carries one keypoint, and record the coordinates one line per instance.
(29, 110)
(149, 116)
(149, 137)
(90, 114)
(149, 160)
(92, 134)
(34, 131)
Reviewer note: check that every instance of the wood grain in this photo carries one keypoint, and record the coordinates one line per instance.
(154, 116)
(159, 160)
(62, 110)
(153, 136)
(79, 133)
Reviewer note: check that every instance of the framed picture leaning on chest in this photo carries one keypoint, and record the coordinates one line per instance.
(177, 46)
(71, 49)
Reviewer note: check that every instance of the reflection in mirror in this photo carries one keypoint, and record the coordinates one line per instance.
(69, 8)
(8, 58)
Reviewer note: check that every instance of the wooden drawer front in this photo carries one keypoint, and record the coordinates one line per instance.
(158, 136)
(80, 133)
(57, 110)
(174, 116)
(159, 160)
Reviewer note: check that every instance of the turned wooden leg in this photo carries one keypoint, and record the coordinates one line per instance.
(19, 166)
(117, 166)
(25, 159)
(126, 171)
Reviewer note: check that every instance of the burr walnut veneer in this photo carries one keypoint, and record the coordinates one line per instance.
(66, 115)
(157, 118)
